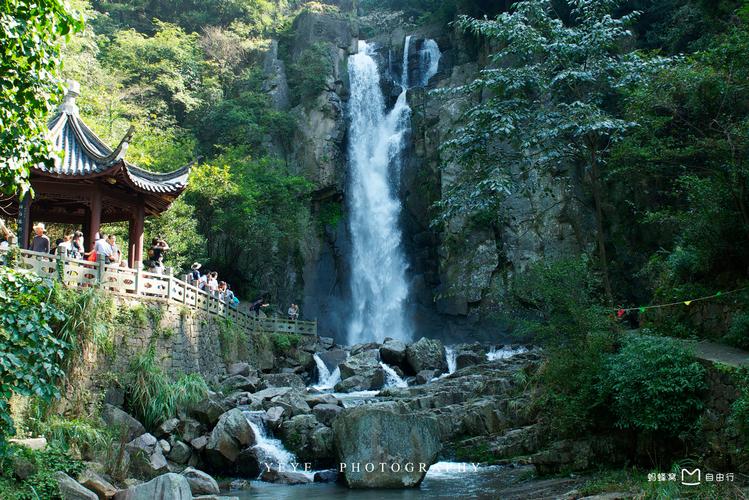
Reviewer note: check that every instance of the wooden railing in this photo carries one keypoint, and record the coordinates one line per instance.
(137, 283)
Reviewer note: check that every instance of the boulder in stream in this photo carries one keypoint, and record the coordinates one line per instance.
(167, 487)
(399, 446)
(426, 354)
(231, 434)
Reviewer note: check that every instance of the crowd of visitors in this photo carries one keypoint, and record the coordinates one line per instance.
(209, 282)
(72, 245)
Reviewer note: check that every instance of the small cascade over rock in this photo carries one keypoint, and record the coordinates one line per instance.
(392, 379)
(267, 449)
(325, 379)
(504, 352)
(429, 61)
(452, 362)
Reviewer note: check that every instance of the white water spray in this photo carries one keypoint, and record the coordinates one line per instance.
(451, 356)
(378, 264)
(391, 378)
(325, 379)
(270, 450)
(504, 352)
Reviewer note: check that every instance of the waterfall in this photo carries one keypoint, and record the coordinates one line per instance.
(391, 378)
(429, 61)
(378, 264)
(451, 356)
(325, 379)
(404, 69)
(270, 450)
(379, 290)
(504, 352)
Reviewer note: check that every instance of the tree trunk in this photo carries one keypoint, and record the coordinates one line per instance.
(600, 235)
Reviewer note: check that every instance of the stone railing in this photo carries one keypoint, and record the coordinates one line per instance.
(164, 287)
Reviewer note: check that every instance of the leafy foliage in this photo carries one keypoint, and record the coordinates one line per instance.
(30, 36)
(656, 385)
(42, 483)
(550, 84)
(32, 351)
(558, 301)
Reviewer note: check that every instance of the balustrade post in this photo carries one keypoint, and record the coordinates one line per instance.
(168, 273)
(101, 261)
(138, 272)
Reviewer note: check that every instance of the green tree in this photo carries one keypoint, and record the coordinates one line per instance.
(550, 87)
(30, 36)
(692, 148)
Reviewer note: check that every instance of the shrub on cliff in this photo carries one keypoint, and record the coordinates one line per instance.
(655, 385)
(32, 349)
(558, 303)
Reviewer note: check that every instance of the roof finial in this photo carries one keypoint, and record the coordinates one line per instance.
(68, 104)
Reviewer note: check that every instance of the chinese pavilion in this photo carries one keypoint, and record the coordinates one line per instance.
(93, 184)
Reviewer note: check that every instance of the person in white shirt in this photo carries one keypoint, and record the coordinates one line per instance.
(212, 284)
(65, 249)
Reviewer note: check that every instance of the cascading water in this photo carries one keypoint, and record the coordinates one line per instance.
(451, 356)
(270, 450)
(378, 264)
(392, 379)
(325, 379)
(429, 61)
(504, 352)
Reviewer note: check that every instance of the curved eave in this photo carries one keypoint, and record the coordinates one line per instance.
(170, 183)
(67, 132)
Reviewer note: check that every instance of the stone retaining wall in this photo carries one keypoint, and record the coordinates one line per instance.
(186, 340)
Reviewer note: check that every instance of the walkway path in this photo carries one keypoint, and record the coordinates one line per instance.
(143, 285)
(720, 353)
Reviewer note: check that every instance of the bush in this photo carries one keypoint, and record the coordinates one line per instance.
(32, 349)
(655, 385)
(307, 75)
(558, 301)
(283, 342)
(738, 332)
(153, 397)
(42, 483)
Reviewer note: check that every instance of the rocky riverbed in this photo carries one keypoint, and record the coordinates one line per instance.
(418, 416)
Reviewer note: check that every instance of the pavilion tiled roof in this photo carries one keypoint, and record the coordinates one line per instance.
(86, 155)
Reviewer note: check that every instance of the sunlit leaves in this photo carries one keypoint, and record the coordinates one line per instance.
(30, 34)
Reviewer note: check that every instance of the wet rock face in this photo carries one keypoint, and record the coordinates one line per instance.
(426, 354)
(231, 434)
(399, 447)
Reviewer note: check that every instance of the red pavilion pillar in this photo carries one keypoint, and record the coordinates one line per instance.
(135, 236)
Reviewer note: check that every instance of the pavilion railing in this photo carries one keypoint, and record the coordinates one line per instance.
(163, 287)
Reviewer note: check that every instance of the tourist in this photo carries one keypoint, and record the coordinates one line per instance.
(65, 246)
(221, 293)
(92, 255)
(257, 305)
(230, 298)
(293, 312)
(156, 254)
(76, 246)
(212, 283)
(115, 255)
(194, 273)
(203, 280)
(40, 243)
